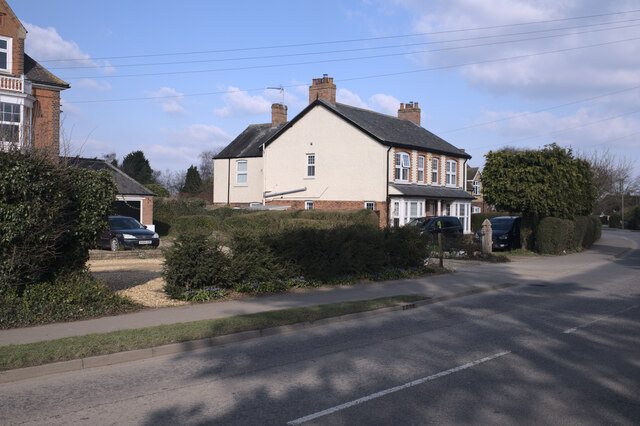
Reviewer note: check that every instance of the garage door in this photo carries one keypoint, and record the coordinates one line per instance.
(126, 208)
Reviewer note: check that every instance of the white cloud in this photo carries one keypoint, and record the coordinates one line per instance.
(68, 108)
(345, 96)
(608, 67)
(385, 103)
(170, 100)
(182, 147)
(239, 102)
(93, 84)
(45, 44)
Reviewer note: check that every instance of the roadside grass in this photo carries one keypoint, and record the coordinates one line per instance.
(38, 353)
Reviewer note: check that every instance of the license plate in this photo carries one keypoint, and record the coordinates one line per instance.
(144, 242)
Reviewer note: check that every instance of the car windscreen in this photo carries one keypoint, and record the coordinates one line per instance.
(501, 224)
(125, 223)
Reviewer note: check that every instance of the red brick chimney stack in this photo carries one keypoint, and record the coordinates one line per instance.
(278, 114)
(409, 111)
(323, 88)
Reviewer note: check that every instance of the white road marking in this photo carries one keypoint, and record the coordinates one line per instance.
(571, 330)
(394, 389)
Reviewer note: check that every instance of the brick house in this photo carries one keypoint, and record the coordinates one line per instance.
(474, 187)
(333, 156)
(29, 94)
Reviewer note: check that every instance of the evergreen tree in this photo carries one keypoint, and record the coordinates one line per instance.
(193, 181)
(136, 165)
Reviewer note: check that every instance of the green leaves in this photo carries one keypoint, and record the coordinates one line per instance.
(539, 183)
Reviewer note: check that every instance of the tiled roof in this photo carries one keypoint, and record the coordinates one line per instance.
(36, 73)
(249, 143)
(395, 131)
(126, 184)
(428, 191)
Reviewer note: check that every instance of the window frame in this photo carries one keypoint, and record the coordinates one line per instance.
(244, 172)
(309, 205)
(435, 170)
(311, 165)
(451, 173)
(476, 187)
(371, 203)
(9, 54)
(403, 169)
(420, 169)
(12, 123)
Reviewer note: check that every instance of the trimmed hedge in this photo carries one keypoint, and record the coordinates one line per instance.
(554, 235)
(270, 261)
(197, 224)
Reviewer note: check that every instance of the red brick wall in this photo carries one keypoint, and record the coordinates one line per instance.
(10, 27)
(46, 120)
(147, 211)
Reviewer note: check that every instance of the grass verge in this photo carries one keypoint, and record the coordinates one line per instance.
(27, 355)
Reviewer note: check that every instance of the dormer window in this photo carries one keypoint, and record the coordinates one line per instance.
(6, 56)
(403, 165)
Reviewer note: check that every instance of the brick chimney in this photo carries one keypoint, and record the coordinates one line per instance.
(323, 88)
(278, 114)
(409, 111)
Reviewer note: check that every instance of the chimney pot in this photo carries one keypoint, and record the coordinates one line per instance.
(278, 114)
(409, 111)
(323, 88)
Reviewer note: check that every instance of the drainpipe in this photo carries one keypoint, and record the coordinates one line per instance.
(386, 181)
(229, 183)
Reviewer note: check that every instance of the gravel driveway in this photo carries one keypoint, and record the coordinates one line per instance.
(138, 279)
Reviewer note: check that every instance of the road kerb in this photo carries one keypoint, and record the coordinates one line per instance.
(182, 347)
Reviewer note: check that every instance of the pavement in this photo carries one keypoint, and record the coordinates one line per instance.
(468, 278)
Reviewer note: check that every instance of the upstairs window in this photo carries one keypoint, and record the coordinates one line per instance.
(420, 169)
(476, 187)
(6, 55)
(311, 165)
(241, 172)
(435, 179)
(403, 166)
(452, 172)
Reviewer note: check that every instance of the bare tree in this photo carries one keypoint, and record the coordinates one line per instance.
(172, 180)
(206, 163)
(613, 178)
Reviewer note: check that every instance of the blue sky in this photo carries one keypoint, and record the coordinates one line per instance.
(177, 78)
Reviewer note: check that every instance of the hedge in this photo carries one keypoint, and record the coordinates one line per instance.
(197, 224)
(274, 259)
(554, 235)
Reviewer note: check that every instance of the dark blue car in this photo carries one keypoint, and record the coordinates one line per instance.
(505, 232)
(126, 232)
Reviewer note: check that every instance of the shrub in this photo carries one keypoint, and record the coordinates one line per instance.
(167, 211)
(581, 226)
(50, 215)
(71, 296)
(254, 261)
(593, 232)
(632, 217)
(554, 235)
(158, 189)
(195, 262)
(200, 224)
(615, 221)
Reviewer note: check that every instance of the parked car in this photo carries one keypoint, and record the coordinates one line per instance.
(126, 232)
(505, 232)
(447, 225)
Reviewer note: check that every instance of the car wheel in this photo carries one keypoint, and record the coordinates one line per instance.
(114, 244)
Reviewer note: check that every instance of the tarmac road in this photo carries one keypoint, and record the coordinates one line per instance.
(561, 347)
